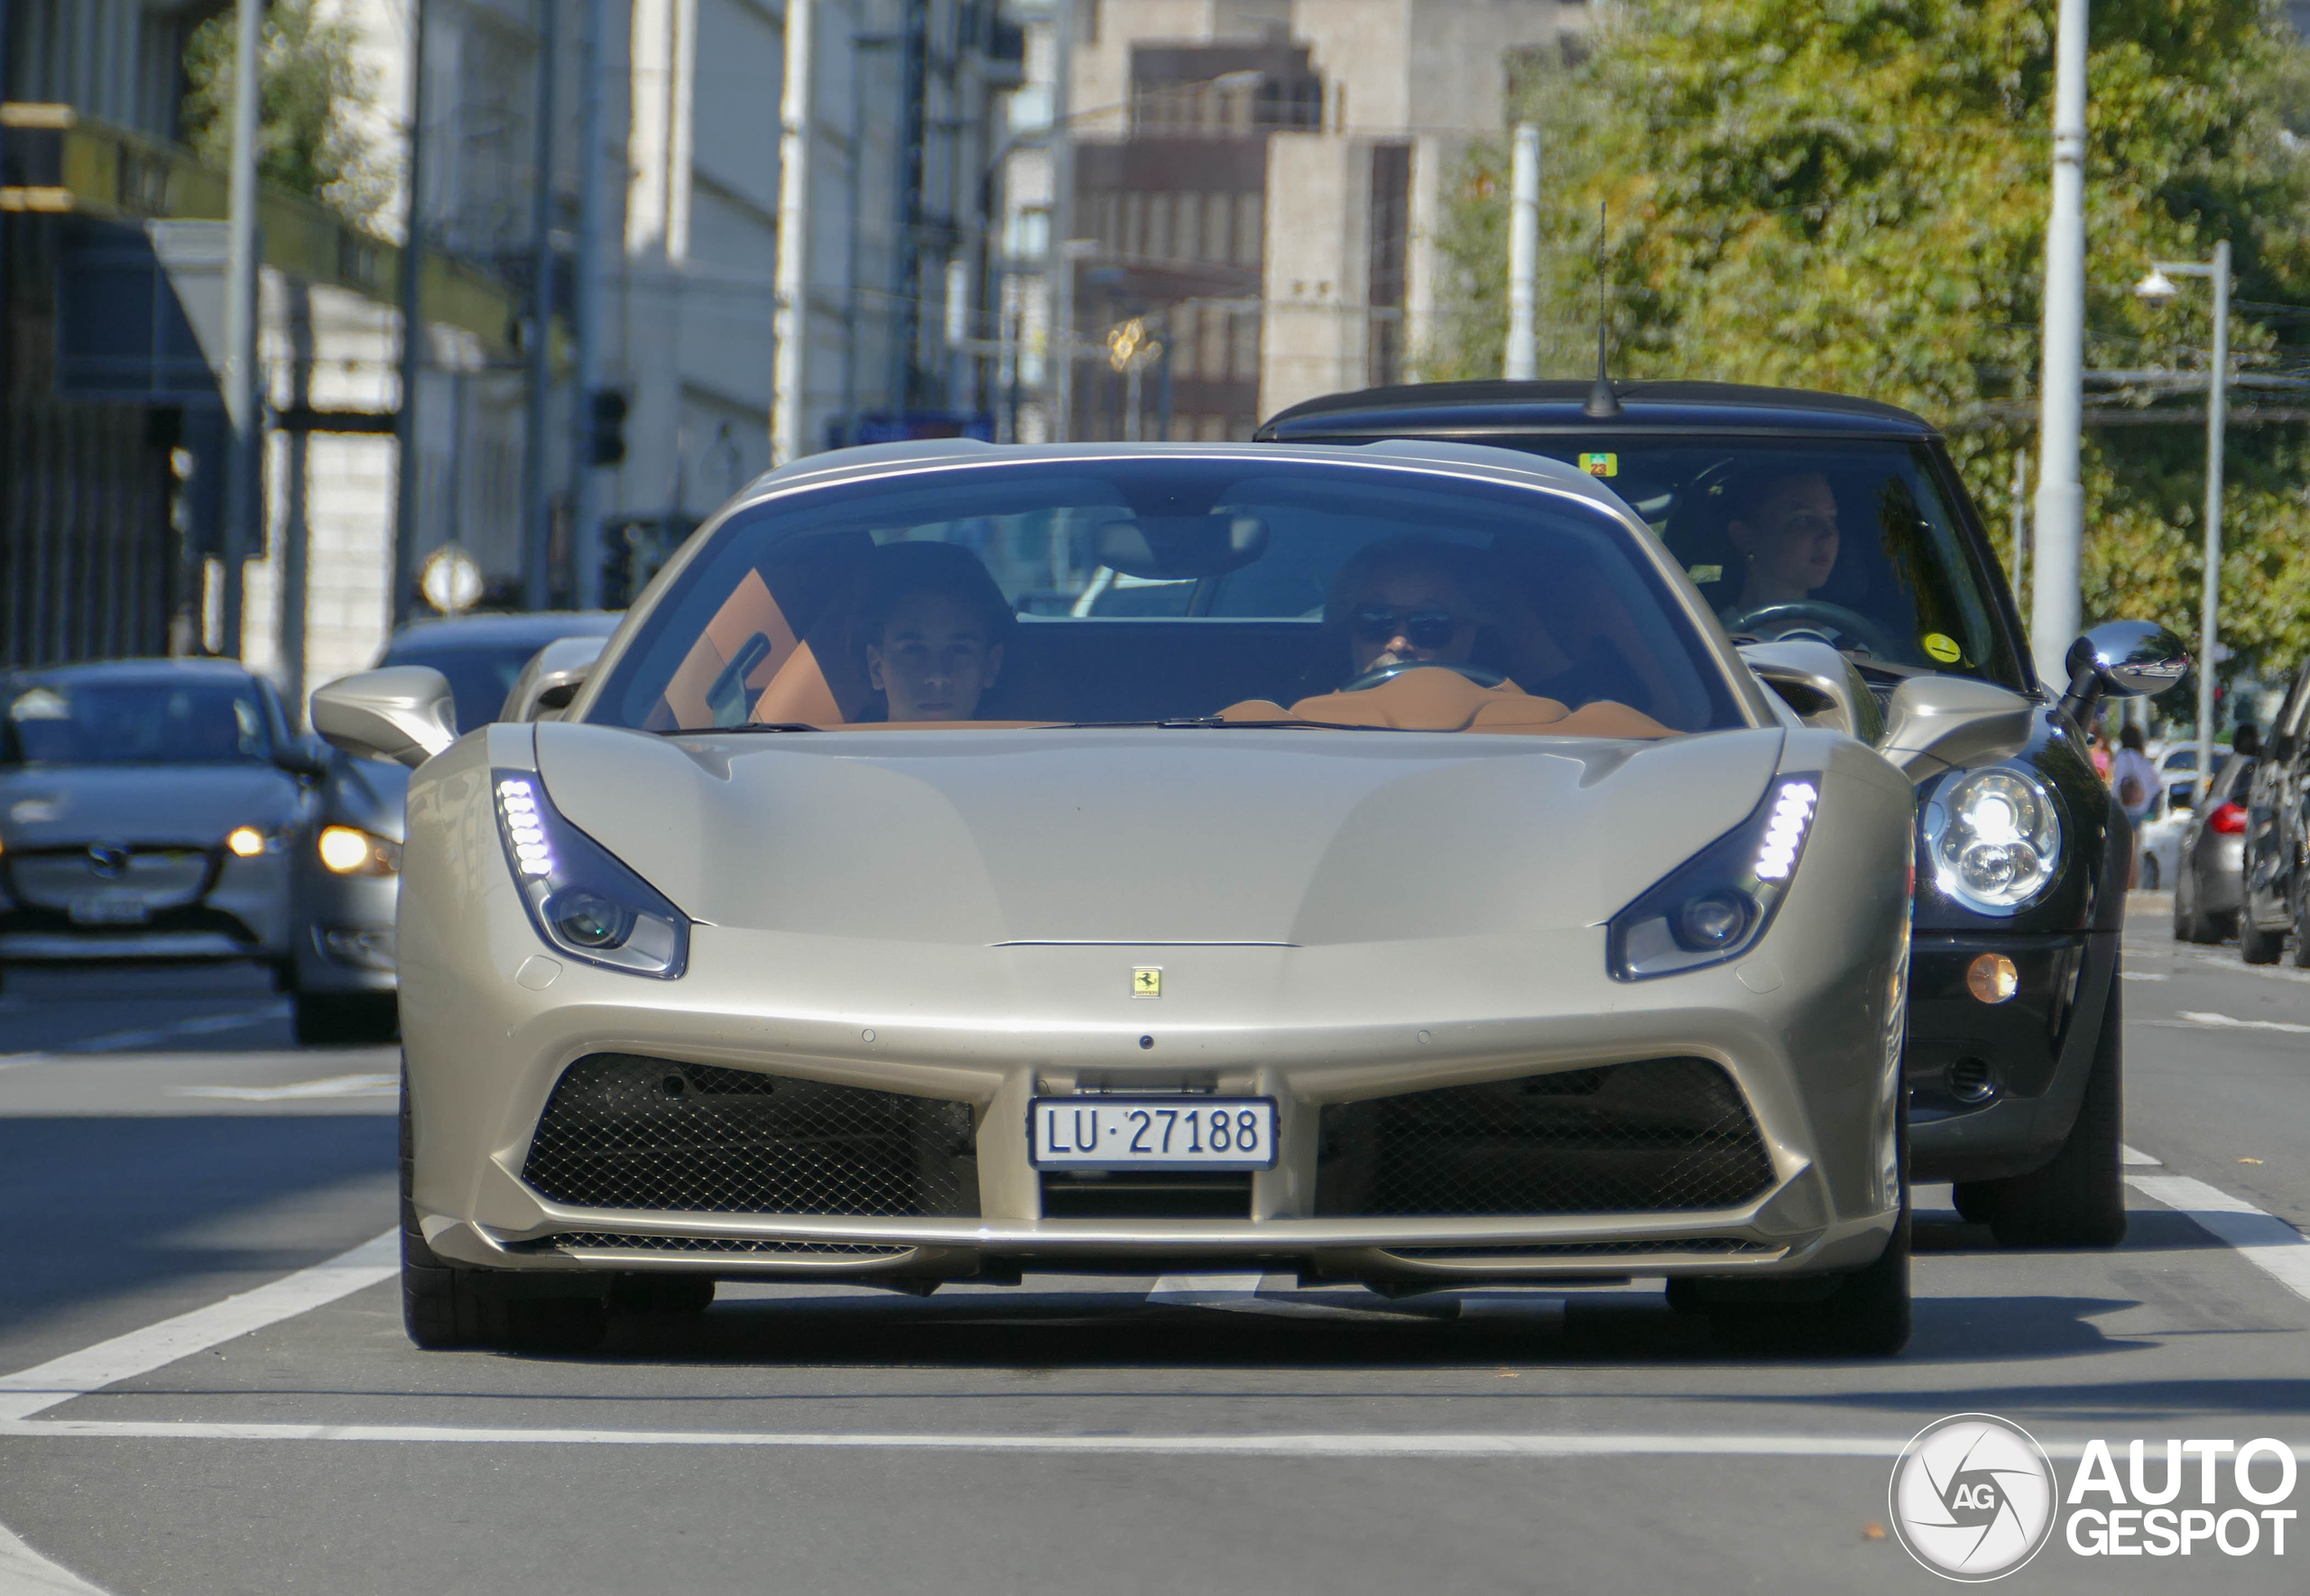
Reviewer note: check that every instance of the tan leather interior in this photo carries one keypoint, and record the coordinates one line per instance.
(749, 612)
(1441, 700)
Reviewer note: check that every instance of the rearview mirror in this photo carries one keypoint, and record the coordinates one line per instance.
(1937, 722)
(403, 713)
(552, 678)
(1177, 547)
(2122, 660)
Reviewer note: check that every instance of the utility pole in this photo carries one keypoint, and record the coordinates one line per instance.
(2217, 405)
(244, 421)
(537, 513)
(410, 484)
(585, 519)
(796, 109)
(2021, 527)
(1522, 364)
(2054, 606)
(1059, 259)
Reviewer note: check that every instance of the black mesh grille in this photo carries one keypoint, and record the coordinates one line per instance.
(1714, 1246)
(1665, 1133)
(627, 1132)
(592, 1238)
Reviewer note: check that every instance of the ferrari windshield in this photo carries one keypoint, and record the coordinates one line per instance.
(1210, 589)
(1857, 543)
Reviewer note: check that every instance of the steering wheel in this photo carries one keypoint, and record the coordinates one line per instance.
(1790, 618)
(1482, 676)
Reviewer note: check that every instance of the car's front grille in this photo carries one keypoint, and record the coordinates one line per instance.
(1662, 1133)
(623, 1132)
(160, 878)
(597, 1241)
(1708, 1246)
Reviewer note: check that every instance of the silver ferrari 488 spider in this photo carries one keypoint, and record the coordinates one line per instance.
(1370, 863)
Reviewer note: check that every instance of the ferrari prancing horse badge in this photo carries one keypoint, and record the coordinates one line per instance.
(1147, 981)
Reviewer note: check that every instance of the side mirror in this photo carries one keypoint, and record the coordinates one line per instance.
(2122, 660)
(1820, 685)
(403, 713)
(552, 678)
(299, 757)
(1937, 722)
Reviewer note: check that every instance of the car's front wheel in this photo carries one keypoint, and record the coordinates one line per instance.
(444, 1307)
(349, 1018)
(2190, 923)
(2078, 1197)
(2256, 946)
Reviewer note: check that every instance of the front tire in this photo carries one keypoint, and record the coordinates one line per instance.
(2191, 924)
(444, 1307)
(2078, 1199)
(347, 1019)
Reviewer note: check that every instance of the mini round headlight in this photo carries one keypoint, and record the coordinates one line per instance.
(1995, 836)
(589, 919)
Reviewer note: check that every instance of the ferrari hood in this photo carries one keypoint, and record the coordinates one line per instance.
(62, 805)
(1150, 836)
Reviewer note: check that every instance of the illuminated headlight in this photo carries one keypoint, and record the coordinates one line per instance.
(247, 842)
(1716, 904)
(583, 898)
(1994, 838)
(347, 849)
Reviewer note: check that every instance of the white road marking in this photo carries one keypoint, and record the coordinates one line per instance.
(2141, 975)
(1307, 1446)
(2263, 1239)
(140, 1351)
(2266, 972)
(2134, 1155)
(25, 1573)
(1204, 1291)
(205, 1025)
(2228, 1022)
(335, 1086)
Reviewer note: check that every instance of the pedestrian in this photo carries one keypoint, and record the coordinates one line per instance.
(2134, 779)
(2100, 752)
(2246, 742)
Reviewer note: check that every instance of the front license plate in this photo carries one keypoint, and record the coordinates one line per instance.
(112, 910)
(1154, 1132)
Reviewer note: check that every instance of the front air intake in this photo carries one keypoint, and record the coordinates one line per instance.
(623, 1132)
(1659, 1134)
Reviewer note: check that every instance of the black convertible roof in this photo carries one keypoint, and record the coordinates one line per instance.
(1467, 410)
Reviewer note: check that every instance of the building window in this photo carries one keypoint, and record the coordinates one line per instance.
(1213, 359)
(1134, 226)
(1188, 241)
(1247, 346)
(1218, 210)
(1387, 261)
(1184, 339)
(1158, 226)
(1250, 228)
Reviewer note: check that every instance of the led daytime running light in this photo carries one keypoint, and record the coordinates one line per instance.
(1792, 817)
(517, 802)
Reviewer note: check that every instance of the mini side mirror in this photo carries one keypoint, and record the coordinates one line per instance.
(1820, 685)
(1937, 722)
(552, 678)
(2122, 660)
(403, 713)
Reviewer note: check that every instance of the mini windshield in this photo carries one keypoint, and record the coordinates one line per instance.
(1214, 589)
(59, 720)
(1856, 543)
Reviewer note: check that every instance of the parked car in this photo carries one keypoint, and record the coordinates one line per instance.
(347, 964)
(2276, 908)
(151, 809)
(2157, 843)
(2209, 880)
(1438, 898)
(1800, 515)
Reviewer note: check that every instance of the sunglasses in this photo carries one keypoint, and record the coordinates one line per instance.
(1423, 628)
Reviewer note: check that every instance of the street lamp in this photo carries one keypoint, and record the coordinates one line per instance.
(2156, 289)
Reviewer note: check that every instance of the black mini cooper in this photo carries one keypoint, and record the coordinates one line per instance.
(1814, 516)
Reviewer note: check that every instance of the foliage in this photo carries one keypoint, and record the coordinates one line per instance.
(308, 82)
(1851, 195)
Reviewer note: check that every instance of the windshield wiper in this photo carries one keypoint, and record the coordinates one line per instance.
(742, 726)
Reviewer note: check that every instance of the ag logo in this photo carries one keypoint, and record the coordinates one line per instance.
(1972, 1498)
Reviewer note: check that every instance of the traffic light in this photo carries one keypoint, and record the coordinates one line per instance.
(609, 427)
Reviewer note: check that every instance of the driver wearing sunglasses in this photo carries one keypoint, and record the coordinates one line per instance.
(1409, 601)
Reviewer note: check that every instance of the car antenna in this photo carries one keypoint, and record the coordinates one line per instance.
(1603, 402)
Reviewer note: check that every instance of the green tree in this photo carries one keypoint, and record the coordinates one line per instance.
(1851, 195)
(308, 81)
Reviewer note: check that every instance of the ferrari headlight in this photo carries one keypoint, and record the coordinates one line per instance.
(1994, 838)
(1715, 905)
(347, 849)
(583, 898)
